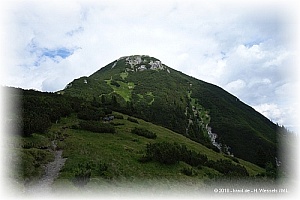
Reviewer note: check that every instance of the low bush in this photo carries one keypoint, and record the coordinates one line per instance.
(75, 126)
(132, 120)
(119, 116)
(82, 174)
(102, 170)
(102, 167)
(85, 170)
(228, 168)
(35, 141)
(27, 168)
(117, 123)
(89, 113)
(31, 161)
(188, 171)
(164, 152)
(234, 159)
(40, 156)
(191, 157)
(144, 159)
(97, 127)
(35, 123)
(115, 83)
(107, 111)
(171, 153)
(144, 132)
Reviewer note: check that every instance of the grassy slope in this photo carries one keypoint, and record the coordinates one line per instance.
(122, 150)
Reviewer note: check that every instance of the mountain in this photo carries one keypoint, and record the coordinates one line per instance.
(63, 141)
(144, 87)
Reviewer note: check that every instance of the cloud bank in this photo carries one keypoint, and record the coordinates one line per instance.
(246, 48)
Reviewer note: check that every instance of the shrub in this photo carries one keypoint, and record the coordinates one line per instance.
(35, 141)
(115, 83)
(119, 116)
(40, 156)
(144, 159)
(89, 113)
(102, 170)
(188, 171)
(191, 157)
(75, 126)
(107, 111)
(132, 120)
(117, 123)
(164, 152)
(84, 171)
(228, 168)
(271, 170)
(31, 162)
(82, 174)
(26, 167)
(171, 153)
(144, 132)
(35, 123)
(97, 127)
(234, 159)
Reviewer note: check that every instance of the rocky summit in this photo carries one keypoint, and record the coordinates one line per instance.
(137, 63)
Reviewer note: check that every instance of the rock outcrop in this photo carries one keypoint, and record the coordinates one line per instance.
(137, 63)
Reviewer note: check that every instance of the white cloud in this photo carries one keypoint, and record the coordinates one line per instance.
(271, 111)
(283, 115)
(235, 86)
(241, 47)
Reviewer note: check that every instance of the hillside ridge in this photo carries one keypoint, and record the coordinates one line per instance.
(144, 87)
(101, 146)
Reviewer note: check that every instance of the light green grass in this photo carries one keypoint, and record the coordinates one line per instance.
(150, 94)
(124, 75)
(122, 150)
(125, 89)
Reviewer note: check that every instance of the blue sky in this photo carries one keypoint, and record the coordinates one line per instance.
(247, 48)
(41, 54)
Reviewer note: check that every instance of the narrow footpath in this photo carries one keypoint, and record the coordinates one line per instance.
(43, 186)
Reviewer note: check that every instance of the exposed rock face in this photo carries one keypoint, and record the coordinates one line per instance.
(222, 147)
(137, 63)
(213, 137)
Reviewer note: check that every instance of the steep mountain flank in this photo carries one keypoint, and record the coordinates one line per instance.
(144, 87)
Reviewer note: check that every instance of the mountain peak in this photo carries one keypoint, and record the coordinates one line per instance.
(135, 63)
(142, 86)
